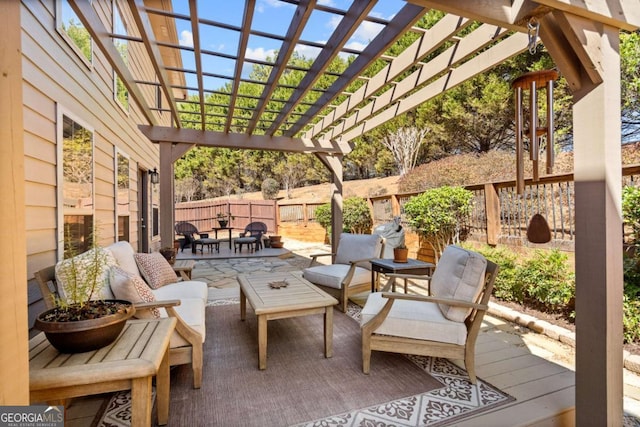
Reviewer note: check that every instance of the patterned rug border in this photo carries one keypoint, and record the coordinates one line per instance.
(456, 400)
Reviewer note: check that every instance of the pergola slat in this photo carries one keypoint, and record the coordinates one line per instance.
(348, 25)
(407, 16)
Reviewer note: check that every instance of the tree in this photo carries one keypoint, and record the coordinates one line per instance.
(404, 144)
(630, 84)
(440, 215)
(270, 188)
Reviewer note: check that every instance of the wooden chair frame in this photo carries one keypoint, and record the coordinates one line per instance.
(372, 341)
(191, 354)
(345, 290)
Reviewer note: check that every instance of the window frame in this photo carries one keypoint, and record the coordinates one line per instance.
(88, 62)
(61, 113)
(115, 12)
(116, 172)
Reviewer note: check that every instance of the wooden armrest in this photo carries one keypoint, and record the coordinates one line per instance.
(321, 254)
(157, 304)
(448, 301)
(315, 256)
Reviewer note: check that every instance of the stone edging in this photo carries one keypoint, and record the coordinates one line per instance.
(630, 361)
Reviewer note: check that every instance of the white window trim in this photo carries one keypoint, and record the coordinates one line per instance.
(60, 113)
(69, 41)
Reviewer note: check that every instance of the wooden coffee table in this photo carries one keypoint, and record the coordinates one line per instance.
(183, 268)
(298, 298)
(140, 353)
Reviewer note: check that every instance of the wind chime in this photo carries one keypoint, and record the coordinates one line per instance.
(537, 133)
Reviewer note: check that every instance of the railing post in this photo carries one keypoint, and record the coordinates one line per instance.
(395, 205)
(492, 209)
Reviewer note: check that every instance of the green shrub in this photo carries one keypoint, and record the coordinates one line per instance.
(547, 280)
(505, 286)
(631, 318)
(356, 216)
(270, 188)
(440, 215)
(631, 211)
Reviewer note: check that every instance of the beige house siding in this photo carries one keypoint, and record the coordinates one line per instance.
(56, 79)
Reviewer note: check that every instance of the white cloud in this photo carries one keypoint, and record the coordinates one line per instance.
(333, 22)
(186, 38)
(327, 3)
(259, 53)
(356, 45)
(309, 52)
(367, 31)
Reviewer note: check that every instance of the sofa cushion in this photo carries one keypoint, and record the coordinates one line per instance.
(459, 275)
(124, 255)
(333, 275)
(179, 290)
(65, 279)
(155, 269)
(192, 312)
(353, 247)
(414, 319)
(131, 287)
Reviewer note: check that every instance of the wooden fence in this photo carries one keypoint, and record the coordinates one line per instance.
(500, 215)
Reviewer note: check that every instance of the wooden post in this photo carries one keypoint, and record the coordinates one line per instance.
(598, 187)
(14, 355)
(492, 210)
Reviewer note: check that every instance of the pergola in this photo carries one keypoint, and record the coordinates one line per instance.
(581, 36)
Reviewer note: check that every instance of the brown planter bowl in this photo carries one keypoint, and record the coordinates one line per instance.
(277, 245)
(85, 335)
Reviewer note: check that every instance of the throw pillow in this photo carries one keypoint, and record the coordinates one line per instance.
(131, 287)
(79, 269)
(155, 269)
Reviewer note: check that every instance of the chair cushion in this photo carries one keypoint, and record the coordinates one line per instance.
(131, 287)
(155, 269)
(352, 247)
(460, 275)
(124, 255)
(414, 319)
(64, 275)
(185, 289)
(333, 275)
(192, 312)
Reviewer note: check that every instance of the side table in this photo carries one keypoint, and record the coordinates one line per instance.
(229, 229)
(183, 268)
(140, 353)
(386, 266)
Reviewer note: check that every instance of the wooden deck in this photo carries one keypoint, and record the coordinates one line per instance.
(512, 360)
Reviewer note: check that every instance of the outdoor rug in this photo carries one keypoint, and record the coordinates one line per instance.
(300, 385)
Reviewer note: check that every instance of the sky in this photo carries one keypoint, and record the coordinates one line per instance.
(271, 16)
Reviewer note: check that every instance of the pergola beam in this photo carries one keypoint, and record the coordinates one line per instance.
(247, 18)
(144, 26)
(195, 32)
(298, 23)
(407, 16)
(623, 14)
(87, 15)
(243, 141)
(427, 42)
(348, 25)
(391, 103)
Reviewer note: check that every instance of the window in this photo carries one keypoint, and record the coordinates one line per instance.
(122, 196)
(72, 30)
(119, 28)
(77, 185)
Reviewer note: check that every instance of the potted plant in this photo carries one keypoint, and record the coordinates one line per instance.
(400, 253)
(82, 320)
(223, 219)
